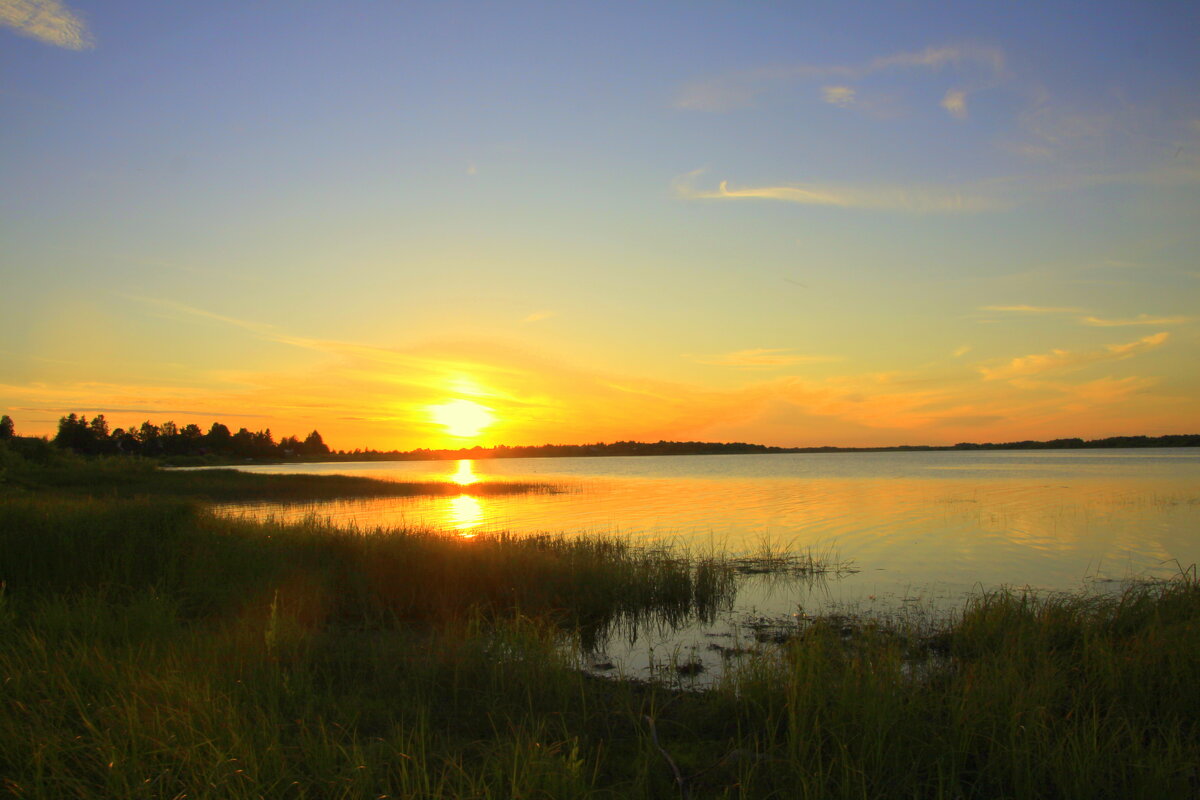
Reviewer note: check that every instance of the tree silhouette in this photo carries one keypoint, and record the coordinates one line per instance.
(218, 439)
(149, 437)
(242, 443)
(6, 427)
(314, 445)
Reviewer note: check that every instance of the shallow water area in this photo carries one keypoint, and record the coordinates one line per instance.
(913, 532)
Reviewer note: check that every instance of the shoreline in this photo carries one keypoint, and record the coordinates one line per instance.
(482, 454)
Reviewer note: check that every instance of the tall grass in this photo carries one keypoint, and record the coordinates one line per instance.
(149, 648)
(1019, 696)
(211, 564)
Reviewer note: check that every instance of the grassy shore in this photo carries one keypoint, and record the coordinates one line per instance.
(127, 476)
(152, 649)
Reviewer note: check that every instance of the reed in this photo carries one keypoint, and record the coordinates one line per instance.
(209, 564)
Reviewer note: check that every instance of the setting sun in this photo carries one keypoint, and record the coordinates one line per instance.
(463, 418)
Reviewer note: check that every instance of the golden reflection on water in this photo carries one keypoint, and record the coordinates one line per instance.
(465, 475)
(1045, 528)
(463, 513)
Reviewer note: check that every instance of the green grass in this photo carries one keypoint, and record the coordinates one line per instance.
(152, 649)
(209, 564)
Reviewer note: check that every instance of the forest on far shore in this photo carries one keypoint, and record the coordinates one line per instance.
(93, 437)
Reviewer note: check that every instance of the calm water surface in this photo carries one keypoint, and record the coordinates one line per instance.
(920, 528)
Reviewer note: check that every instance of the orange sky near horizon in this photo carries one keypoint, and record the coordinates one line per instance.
(377, 398)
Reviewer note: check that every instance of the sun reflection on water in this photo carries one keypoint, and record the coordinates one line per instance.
(465, 476)
(464, 513)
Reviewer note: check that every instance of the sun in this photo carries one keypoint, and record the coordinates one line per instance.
(462, 418)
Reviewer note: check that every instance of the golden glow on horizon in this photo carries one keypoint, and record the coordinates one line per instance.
(465, 475)
(464, 513)
(462, 418)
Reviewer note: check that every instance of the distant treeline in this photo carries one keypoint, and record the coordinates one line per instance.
(1175, 440)
(93, 437)
(665, 448)
(660, 448)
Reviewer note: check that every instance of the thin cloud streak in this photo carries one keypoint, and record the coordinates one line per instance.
(937, 57)
(739, 89)
(841, 96)
(996, 194)
(907, 199)
(1024, 309)
(412, 365)
(1058, 361)
(262, 328)
(538, 316)
(47, 21)
(762, 357)
(1140, 319)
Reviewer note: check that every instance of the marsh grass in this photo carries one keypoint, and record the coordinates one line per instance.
(211, 564)
(150, 648)
(785, 559)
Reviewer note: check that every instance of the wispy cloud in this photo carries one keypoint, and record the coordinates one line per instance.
(1140, 319)
(717, 95)
(937, 57)
(1055, 125)
(538, 316)
(1027, 150)
(955, 103)
(175, 308)
(1109, 390)
(838, 95)
(761, 357)
(925, 199)
(46, 20)
(1024, 309)
(1058, 361)
(959, 352)
(739, 89)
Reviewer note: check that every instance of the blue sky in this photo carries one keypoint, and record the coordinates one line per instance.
(793, 223)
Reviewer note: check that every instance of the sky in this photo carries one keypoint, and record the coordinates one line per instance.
(442, 224)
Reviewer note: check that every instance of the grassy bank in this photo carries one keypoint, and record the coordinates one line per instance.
(149, 648)
(46, 468)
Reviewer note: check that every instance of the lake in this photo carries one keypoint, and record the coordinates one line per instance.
(922, 530)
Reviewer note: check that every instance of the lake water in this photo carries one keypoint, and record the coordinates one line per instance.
(921, 529)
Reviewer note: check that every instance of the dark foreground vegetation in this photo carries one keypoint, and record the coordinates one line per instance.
(150, 648)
